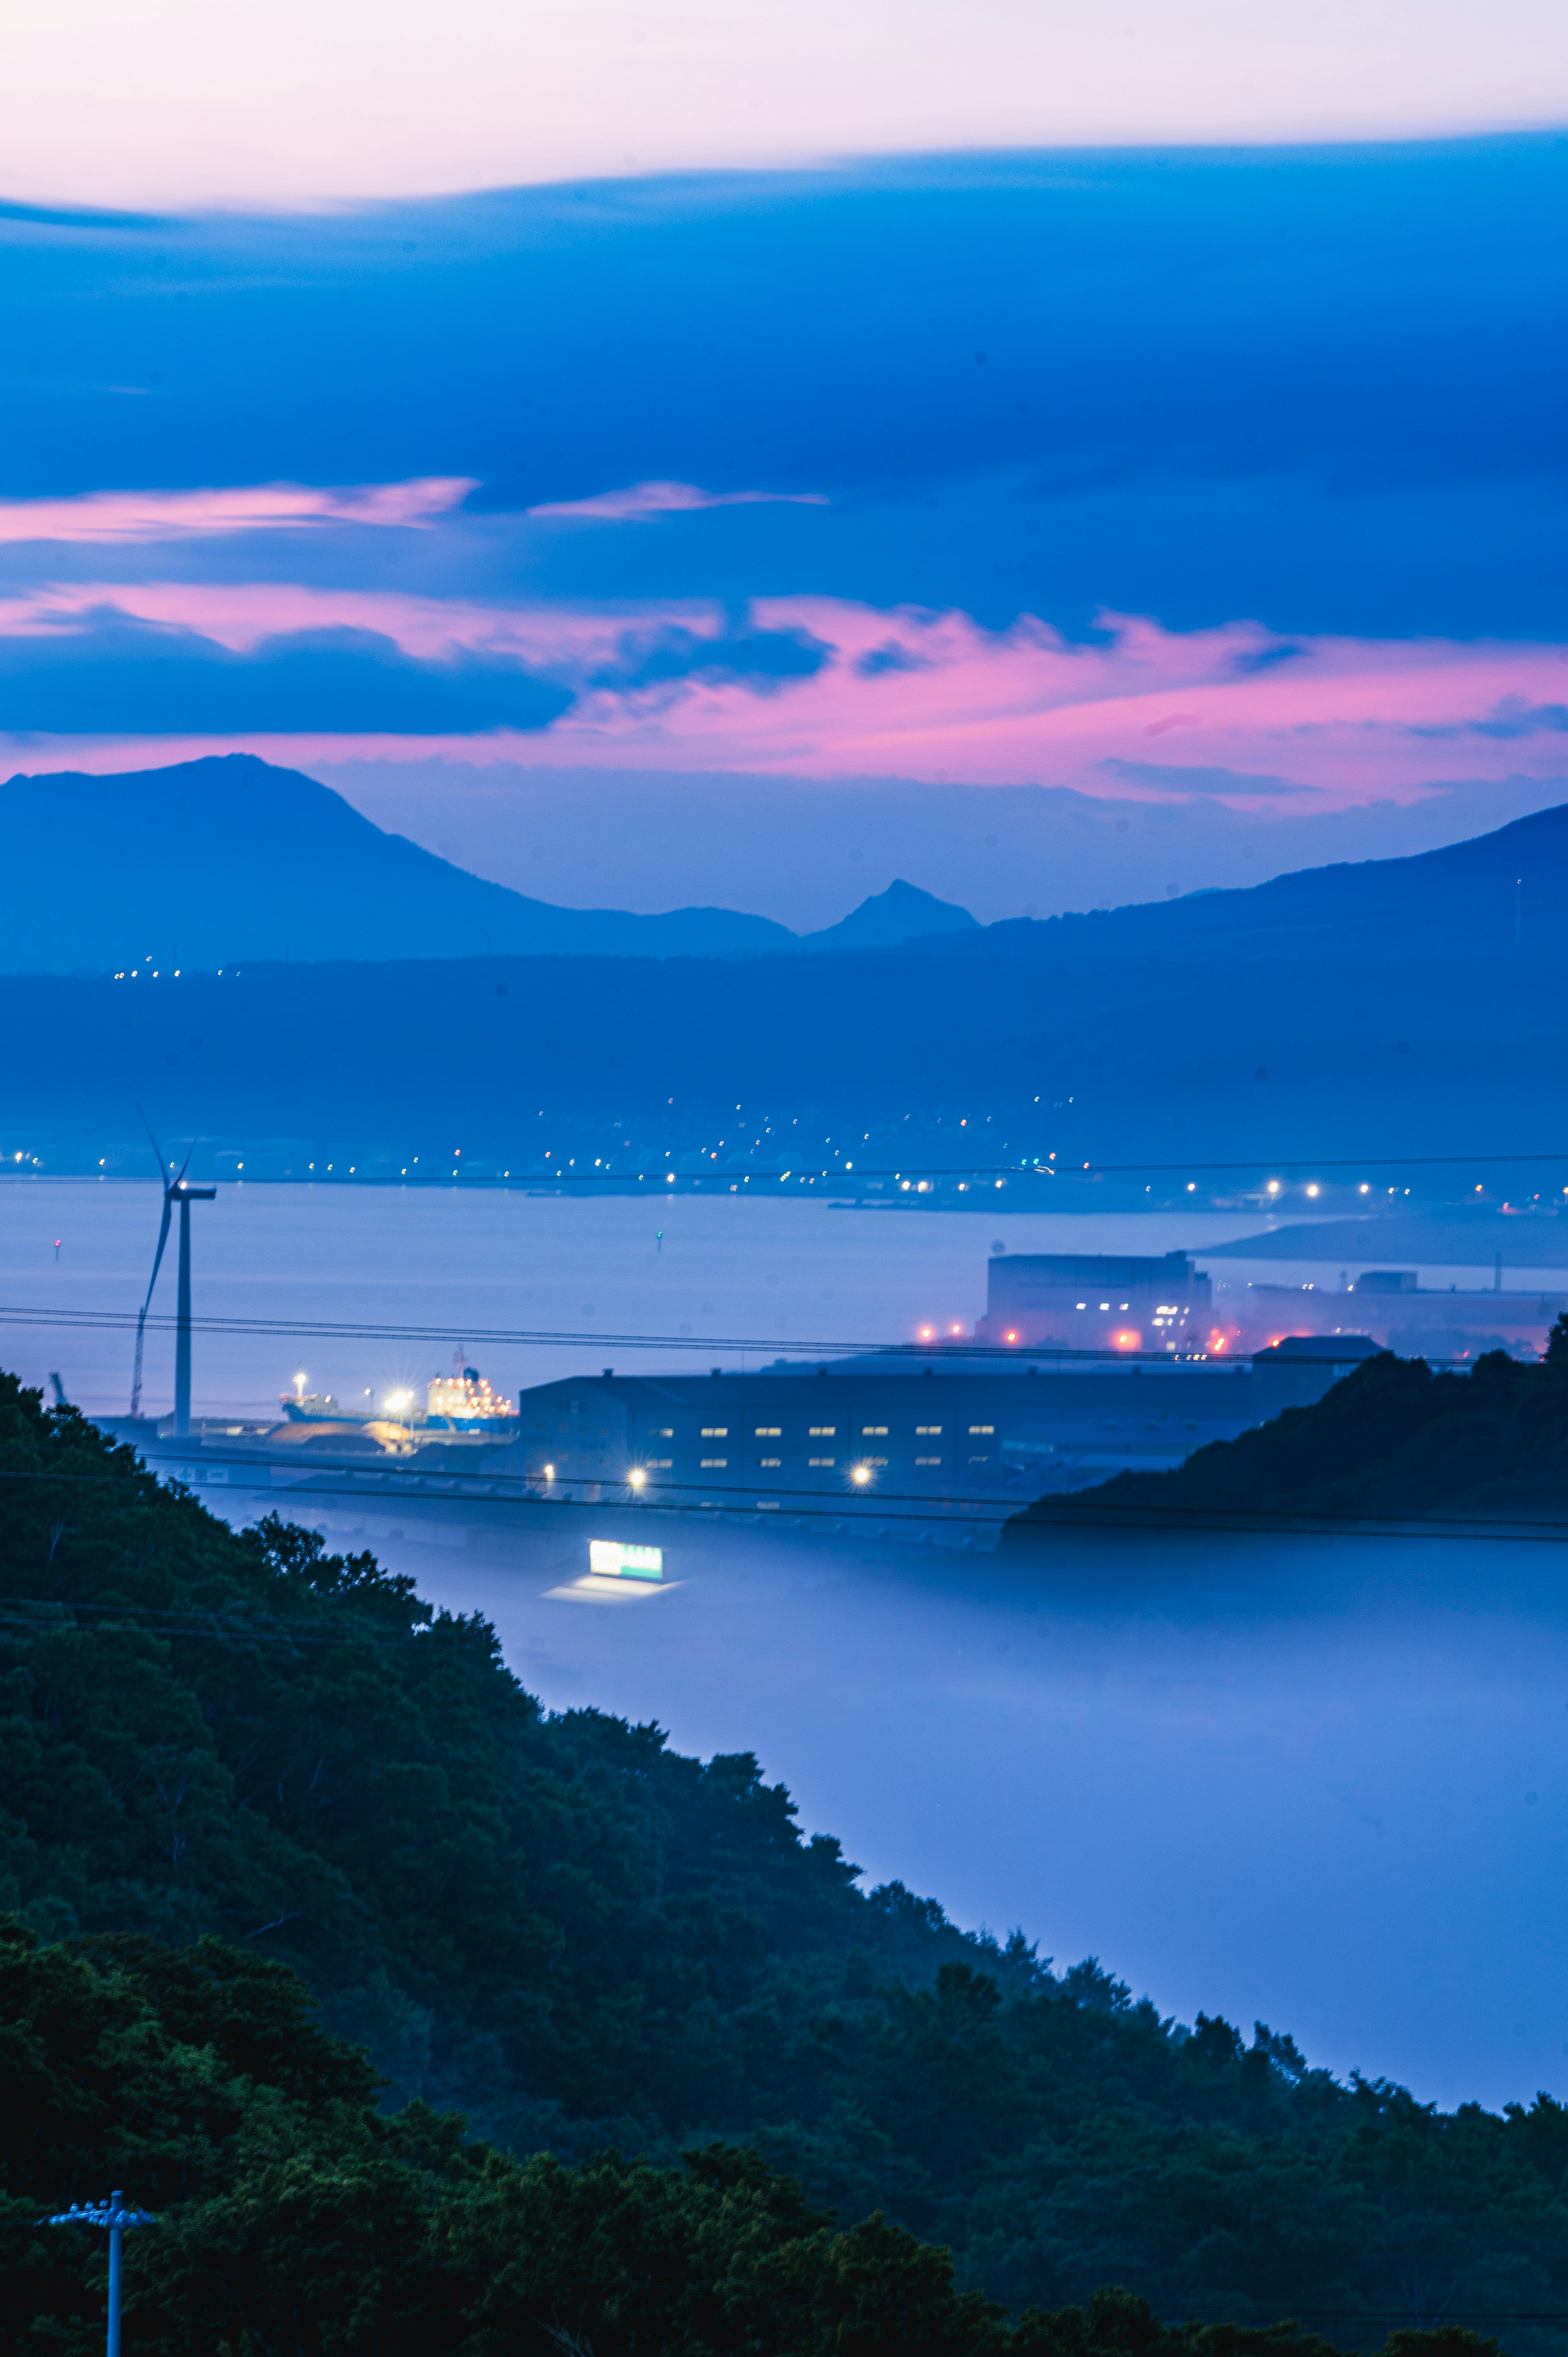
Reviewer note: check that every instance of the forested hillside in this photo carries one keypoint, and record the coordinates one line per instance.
(289, 2214)
(584, 1940)
(1391, 1438)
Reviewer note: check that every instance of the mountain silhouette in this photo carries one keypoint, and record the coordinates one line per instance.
(229, 860)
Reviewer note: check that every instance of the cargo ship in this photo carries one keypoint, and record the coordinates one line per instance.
(460, 1402)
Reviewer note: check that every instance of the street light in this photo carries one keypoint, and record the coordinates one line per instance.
(113, 2214)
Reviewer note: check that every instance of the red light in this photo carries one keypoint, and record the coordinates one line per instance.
(1128, 1340)
(1009, 1338)
(926, 1332)
(956, 1329)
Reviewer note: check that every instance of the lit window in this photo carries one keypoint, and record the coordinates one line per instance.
(875, 1460)
(875, 1431)
(821, 1461)
(979, 1461)
(1105, 1304)
(769, 1431)
(821, 1431)
(665, 1432)
(660, 1464)
(714, 1460)
(771, 1460)
(983, 1427)
(1081, 1305)
(922, 1429)
(927, 1461)
(715, 1432)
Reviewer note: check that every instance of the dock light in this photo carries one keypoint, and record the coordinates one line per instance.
(1009, 1338)
(1273, 1187)
(861, 1473)
(398, 1401)
(927, 1333)
(637, 1477)
(550, 1472)
(1315, 1188)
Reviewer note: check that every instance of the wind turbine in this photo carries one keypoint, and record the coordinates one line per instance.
(175, 1191)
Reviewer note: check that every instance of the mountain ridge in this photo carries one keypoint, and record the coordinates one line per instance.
(231, 859)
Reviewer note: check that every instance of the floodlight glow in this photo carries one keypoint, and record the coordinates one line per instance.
(1273, 1187)
(637, 1477)
(1315, 1190)
(550, 1472)
(861, 1473)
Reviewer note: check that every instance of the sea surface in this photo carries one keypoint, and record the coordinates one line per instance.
(1319, 1784)
(706, 1273)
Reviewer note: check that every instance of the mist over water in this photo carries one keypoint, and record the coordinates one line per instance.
(1322, 1783)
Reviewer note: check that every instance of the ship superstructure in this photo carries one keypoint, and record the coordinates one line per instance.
(462, 1401)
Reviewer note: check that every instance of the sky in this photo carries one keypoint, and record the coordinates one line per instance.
(744, 458)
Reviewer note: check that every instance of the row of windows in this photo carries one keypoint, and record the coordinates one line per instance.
(814, 1431)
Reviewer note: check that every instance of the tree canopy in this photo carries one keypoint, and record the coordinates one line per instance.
(586, 1943)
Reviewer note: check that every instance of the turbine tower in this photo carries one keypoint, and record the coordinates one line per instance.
(176, 1190)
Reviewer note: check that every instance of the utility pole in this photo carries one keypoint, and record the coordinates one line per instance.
(113, 2214)
(185, 1196)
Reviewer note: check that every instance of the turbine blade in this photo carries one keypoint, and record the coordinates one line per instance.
(158, 1256)
(158, 1149)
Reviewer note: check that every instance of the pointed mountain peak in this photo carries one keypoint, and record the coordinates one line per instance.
(903, 913)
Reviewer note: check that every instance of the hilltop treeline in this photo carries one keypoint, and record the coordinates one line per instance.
(585, 1942)
(1392, 1438)
(290, 2214)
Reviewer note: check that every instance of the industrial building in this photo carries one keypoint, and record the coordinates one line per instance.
(949, 1427)
(1097, 1301)
(1416, 1320)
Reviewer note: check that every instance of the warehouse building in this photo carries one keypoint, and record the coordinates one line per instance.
(881, 1425)
(1097, 1301)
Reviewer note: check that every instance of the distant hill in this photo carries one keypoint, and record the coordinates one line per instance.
(1491, 893)
(890, 919)
(1391, 1439)
(229, 860)
(1178, 1040)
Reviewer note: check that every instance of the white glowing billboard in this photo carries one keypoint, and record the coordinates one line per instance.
(609, 1557)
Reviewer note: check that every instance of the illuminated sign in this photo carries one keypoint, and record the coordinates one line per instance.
(609, 1557)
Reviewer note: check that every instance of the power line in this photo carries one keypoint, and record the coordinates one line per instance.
(497, 1336)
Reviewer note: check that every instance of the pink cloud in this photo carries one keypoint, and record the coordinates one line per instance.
(640, 503)
(1336, 719)
(130, 516)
